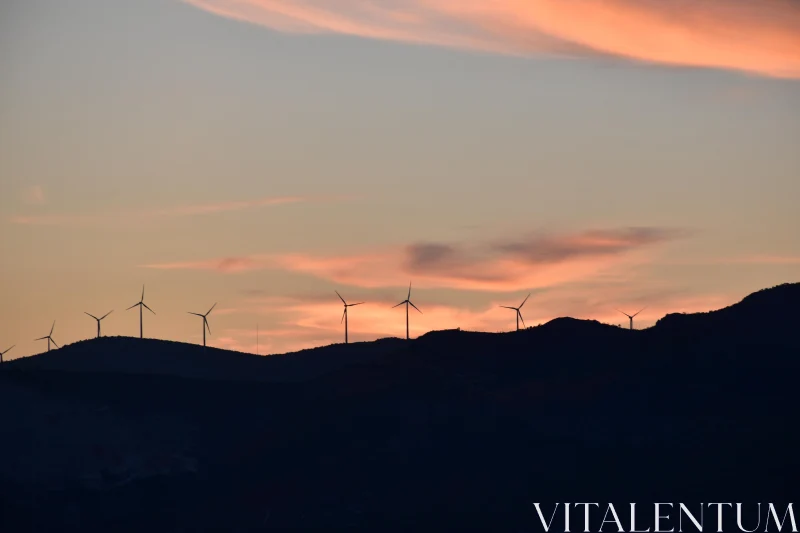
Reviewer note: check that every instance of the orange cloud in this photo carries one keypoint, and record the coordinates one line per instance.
(761, 37)
(538, 260)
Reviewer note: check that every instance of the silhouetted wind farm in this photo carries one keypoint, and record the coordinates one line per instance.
(5, 352)
(344, 315)
(631, 317)
(407, 302)
(205, 322)
(517, 310)
(130, 431)
(206, 328)
(99, 320)
(141, 305)
(49, 337)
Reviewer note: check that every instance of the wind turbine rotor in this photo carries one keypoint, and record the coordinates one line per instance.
(525, 300)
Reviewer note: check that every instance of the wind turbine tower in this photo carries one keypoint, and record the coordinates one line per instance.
(630, 317)
(98, 320)
(141, 306)
(407, 302)
(517, 310)
(3, 353)
(344, 315)
(49, 337)
(205, 322)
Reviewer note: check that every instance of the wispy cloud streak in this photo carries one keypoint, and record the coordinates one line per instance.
(52, 219)
(538, 260)
(760, 37)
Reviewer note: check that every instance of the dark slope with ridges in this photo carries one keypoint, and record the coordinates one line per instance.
(453, 431)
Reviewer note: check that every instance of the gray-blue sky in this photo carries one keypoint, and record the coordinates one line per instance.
(110, 110)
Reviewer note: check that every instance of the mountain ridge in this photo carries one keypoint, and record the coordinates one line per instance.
(453, 431)
(145, 356)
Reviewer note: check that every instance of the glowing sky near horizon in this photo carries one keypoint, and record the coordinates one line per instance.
(262, 153)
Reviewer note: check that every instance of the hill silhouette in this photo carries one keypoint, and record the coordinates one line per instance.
(454, 430)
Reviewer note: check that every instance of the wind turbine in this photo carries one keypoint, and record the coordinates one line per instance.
(49, 337)
(407, 302)
(3, 353)
(517, 310)
(98, 320)
(630, 317)
(344, 315)
(205, 322)
(141, 305)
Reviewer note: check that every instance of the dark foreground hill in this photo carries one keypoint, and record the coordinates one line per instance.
(452, 431)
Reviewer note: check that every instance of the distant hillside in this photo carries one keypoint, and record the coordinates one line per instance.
(453, 431)
(772, 312)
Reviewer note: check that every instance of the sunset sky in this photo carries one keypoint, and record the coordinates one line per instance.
(262, 153)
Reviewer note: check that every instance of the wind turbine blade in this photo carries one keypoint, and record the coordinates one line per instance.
(520, 317)
(205, 321)
(345, 312)
(8, 350)
(340, 297)
(639, 311)
(91, 315)
(195, 314)
(507, 307)
(131, 307)
(409, 291)
(54, 342)
(105, 315)
(54, 327)
(144, 304)
(414, 306)
(142, 293)
(41, 339)
(398, 305)
(359, 303)
(624, 313)
(212, 308)
(525, 300)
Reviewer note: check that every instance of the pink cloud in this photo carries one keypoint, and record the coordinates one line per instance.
(539, 260)
(761, 37)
